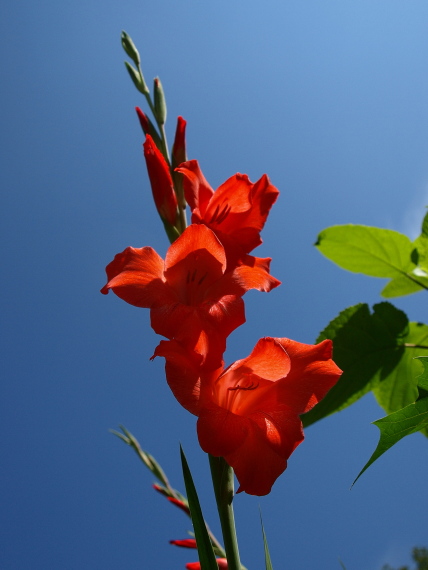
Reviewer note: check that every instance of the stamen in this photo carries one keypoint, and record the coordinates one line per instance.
(213, 217)
(223, 215)
(252, 386)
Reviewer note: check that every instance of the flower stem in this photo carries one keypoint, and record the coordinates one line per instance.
(222, 476)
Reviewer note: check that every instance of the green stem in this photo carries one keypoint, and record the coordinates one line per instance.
(222, 476)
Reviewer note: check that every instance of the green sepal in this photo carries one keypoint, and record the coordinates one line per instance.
(205, 549)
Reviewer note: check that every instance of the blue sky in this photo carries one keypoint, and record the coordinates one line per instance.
(329, 99)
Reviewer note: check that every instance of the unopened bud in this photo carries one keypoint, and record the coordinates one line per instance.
(179, 146)
(180, 504)
(184, 543)
(137, 79)
(129, 46)
(160, 104)
(148, 127)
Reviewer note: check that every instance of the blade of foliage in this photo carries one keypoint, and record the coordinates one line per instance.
(376, 252)
(205, 549)
(397, 425)
(268, 561)
(422, 246)
(376, 352)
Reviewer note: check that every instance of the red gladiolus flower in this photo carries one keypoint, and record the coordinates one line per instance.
(185, 543)
(161, 182)
(236, 211)
(249, 412)
(190, 295)
(222, 564)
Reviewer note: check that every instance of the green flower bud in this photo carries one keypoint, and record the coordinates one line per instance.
(160, 103)
(137, 79)
(129, 46)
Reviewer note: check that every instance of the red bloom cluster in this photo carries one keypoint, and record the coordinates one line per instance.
(249, 412)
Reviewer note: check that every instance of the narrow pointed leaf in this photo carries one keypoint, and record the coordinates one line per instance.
(268, 561)
(205, 549)
(397, 425)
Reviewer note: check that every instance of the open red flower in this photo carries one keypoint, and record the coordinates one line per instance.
(191, 297)
(249, 413)
(236, 211)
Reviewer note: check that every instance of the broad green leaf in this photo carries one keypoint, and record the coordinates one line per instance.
(268, 561)
(376, 352)
(423, 378)
(376, 252)
(402, 285)
(205, 549)
(363, 249)
(399, 388)
(397, 425)
(421, 244)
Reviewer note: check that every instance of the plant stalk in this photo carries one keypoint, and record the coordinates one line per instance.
(222, 476)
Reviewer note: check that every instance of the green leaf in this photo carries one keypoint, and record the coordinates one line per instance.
(423, 378)
(397, 425)
(268, 561)
(376, 252)
(399, 388)
(205, 550)
(376, 352)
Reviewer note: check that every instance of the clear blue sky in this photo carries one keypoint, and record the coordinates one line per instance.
(329, 98)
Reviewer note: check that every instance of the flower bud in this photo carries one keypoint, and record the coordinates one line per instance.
(129, 46)
(137, 79)
(179, 146)
(160, 104)
(161, 182)
(221, 562)
(179, 504)
(185, 543)
(148, 127)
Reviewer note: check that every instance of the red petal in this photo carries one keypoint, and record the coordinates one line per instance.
(136, 276)
(313, 373)
(253, 273)
(182, 373)
(197, 191)
(202, 329)
(194, 261)
(268, 360)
